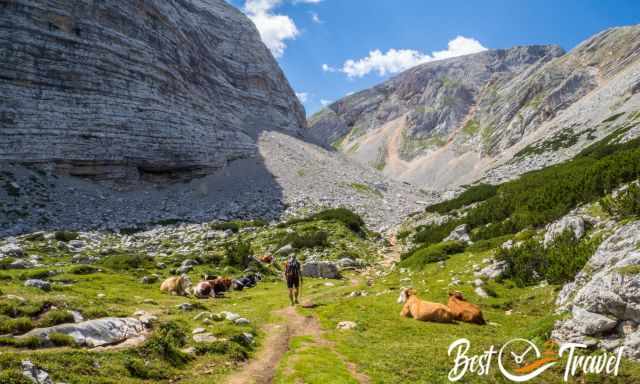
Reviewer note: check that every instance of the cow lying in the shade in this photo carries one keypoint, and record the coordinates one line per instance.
(177, 285)
(463, 310)
(423, 310)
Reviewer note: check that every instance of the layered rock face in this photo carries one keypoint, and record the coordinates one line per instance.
(120, 88)
(604, 299)
(491, 115)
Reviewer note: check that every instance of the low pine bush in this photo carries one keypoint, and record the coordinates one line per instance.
(420, 257)
(530, 262)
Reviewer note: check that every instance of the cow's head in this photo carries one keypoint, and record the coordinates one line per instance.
(405, 293)
(185, 281)
(456, 295)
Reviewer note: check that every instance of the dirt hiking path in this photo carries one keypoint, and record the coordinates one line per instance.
(262, 368)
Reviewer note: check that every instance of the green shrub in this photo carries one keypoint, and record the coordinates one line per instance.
(238, 253)
(13, 376)
(485, 245)
(540, 197)
(233, 350)
(66, 236)
(530, 263)
(434, 233)
(56, 317)
(307, 239)
(83, 269)
(61, 340)
(5, 262)
(472, 195)
(138, 368)
(166, 343)
(14, 308)
(236, 225)
(420, 257)
(625, 204)
(17, 326)
(351, 220)
(35, 274)
(124, 262)
(31, 342)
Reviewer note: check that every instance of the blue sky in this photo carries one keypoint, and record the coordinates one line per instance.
(306, 35)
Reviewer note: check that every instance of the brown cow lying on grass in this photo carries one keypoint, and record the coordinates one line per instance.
(212, 288)
(463, 310)
(177, 285)
(423, 310)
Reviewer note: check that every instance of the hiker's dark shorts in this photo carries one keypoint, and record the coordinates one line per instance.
(293, 282)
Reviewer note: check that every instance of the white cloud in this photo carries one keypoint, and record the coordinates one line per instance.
(315, 18)
(325, 102)
(303, 96)
(397, 60)
(274, 29)
(328, 68)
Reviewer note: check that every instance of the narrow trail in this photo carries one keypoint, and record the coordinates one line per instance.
(262, 369)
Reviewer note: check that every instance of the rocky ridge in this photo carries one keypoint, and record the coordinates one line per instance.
(492, 115)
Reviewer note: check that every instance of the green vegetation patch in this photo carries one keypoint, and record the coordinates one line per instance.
(530, 262)
(434, 253)
(471, 127)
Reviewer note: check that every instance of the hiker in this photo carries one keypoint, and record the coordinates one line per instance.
(294, 278)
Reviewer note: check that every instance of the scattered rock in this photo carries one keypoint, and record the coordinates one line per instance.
(241, 321)
(286, 250)
(459, 234)
(492, 271)
(198, 330)
(37, 283)
(204, 338)
(11, 250)
(481, 292)
(185, 307)
(346, 325)
(33, 373)
(569, 222)
(321, 269)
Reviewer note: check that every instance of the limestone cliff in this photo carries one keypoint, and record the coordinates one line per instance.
(117, 89)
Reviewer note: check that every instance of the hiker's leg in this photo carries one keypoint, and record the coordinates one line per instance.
(291, 295)
(296, 291)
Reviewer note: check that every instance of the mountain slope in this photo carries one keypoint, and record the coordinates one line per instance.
(126, 89)
(451, 122)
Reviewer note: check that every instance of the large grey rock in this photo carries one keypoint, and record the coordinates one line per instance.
(459, 234)
(94, 333)
(35, 374)
(132, 87)
(37, 283)
(572, 223)
(605, 296)
(492, 271)
(321, 269)
(11, 250)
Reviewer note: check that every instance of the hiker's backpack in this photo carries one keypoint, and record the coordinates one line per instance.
(293, 268)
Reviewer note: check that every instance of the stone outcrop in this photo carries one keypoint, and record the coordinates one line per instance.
(604, 299)
(321, 269)
(572, 223)
(119, 89)
(491, 115)
(94, 333)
